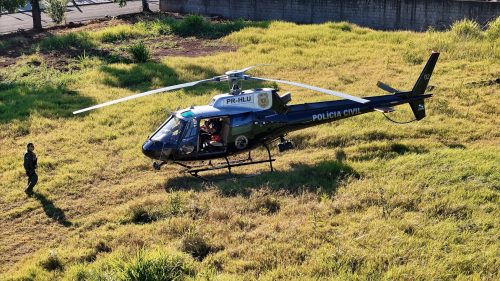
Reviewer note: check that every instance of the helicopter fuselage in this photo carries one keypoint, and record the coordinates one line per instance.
(244, 130)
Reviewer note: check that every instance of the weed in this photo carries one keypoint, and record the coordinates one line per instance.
(151, 266)
(139, 52)
(120, 33)
(493, 31)
(69, 41)
(466, 29)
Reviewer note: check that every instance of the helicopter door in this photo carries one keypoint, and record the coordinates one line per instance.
(189, 142)
(213, 133)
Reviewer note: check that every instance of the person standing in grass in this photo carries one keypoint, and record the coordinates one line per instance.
(30, 164)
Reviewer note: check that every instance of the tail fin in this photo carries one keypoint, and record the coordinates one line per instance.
(418, 106)
(425, 76)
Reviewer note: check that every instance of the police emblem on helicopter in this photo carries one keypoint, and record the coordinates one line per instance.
(263, 99)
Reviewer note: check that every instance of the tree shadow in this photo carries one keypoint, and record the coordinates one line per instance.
(51, 210)
(18, 101)
(388, 152)
(142, 77)
(325, 177)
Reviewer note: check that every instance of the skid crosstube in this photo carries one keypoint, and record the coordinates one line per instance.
(194, 170)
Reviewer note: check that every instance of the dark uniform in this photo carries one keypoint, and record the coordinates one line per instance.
(30, 163)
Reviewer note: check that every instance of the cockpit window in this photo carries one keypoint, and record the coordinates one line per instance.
(170, 130)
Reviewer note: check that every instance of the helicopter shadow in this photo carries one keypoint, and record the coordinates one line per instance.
(19, 101)
(325, 176)
(51, 210)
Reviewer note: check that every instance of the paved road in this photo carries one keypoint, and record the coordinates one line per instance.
(23, 21)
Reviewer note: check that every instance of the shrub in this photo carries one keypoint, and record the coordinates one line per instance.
(466, 29)
(139, 52)
(493, 31)
(192, 25)
(56, 9)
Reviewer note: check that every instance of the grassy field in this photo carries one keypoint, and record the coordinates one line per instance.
(358, 199)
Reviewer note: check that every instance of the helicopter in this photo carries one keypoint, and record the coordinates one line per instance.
(242, 120)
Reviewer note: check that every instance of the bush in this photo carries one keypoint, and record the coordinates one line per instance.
(493, 31)
(192, 25)
(466, 29)
(56, 9)
(139, 52)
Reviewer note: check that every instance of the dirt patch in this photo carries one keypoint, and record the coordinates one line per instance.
(187, 47)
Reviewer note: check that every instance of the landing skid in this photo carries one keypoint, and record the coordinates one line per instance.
(195, 170)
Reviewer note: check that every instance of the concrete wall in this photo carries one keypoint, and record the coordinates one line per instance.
(378, 14)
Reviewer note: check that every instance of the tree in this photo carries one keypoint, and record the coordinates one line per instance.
(13, 5)
(56, 9)
(145, 4)
(37, 15)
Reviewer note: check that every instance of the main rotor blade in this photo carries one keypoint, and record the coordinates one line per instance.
(325, 91)
(161, 90)
(253, 66)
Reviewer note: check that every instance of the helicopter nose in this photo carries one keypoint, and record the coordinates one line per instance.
(147, 149)
(155, 150)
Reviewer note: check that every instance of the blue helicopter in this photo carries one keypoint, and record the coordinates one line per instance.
(242, 120)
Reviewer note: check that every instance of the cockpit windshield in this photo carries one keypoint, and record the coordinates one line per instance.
(170, 131)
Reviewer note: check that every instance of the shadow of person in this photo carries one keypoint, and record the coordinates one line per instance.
(51, 210)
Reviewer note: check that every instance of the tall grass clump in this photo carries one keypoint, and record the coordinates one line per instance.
(493, 31)
(120, 33)
(75, 40)
(139, 52)
(157, 265)
(192, 25)
(466, 29)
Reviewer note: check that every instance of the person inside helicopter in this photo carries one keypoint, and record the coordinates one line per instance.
(210, 134)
